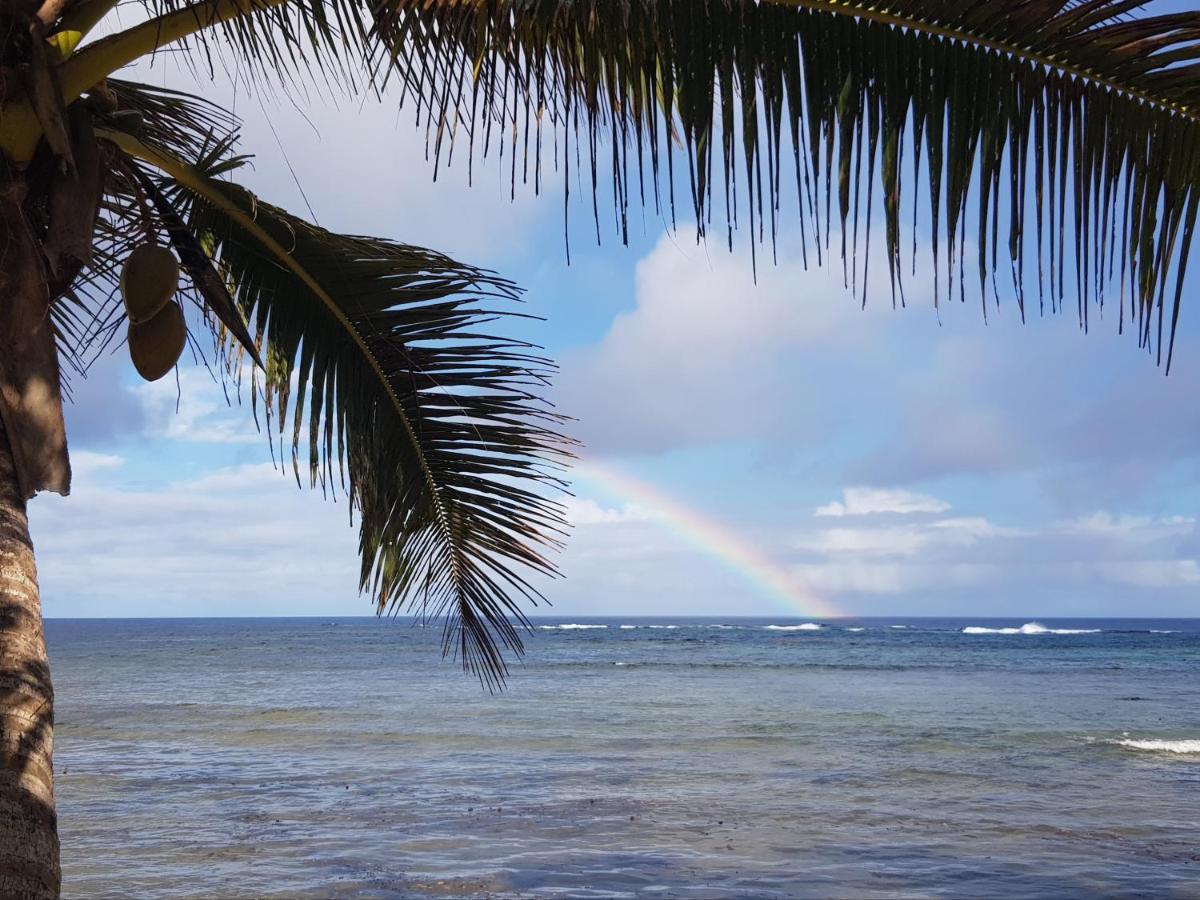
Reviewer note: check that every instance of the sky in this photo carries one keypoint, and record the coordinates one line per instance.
(753, 446)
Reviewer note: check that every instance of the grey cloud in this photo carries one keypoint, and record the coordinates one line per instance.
(101, 410)
(1190, 545)
(1092, 414)
(790, 364)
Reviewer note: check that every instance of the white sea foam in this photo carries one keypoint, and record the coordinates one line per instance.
(627, 627)
(662, 626)
(1160, 746)
(807, 626)
(569, 626)
(897, 626)
(1162, 631)
(1029, 628)
(856, 629)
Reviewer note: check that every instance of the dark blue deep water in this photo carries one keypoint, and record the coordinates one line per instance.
(632, 758)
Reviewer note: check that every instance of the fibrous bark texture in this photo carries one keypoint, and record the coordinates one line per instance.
(30, 389)
(29, 863)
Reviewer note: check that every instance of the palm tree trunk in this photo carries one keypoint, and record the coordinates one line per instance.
(29, 865)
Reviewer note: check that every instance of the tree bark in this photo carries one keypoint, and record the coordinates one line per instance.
(30, 384)
(29, 863)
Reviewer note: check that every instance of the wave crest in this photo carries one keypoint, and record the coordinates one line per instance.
(1029, 628)
(1155, 745)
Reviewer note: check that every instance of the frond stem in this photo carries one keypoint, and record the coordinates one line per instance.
(76, 23)
(194, 180)
(97, 61)
(857, 10)
(88, 67)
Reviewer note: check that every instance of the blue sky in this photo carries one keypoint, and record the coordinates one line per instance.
(885, 462)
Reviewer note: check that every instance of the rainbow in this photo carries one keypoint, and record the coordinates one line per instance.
(711, 537)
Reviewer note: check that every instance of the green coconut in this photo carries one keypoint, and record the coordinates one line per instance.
(156, 345)
(149, 279)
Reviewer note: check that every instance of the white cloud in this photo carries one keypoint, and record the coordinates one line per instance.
(867, 541)
(238, 540)
(975, 527)
(1104, 524)
(585, 511)
(86, 462)
(865, 501)
(960, 564)
(845, 577)
(1154, 574)
(196, 408)
(245, 539)
(298, 140)
(1098, 551)
(907, 540)
(710, 354)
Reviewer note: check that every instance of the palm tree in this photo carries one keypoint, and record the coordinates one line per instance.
(1065, 131)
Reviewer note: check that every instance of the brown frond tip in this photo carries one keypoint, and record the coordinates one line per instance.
(1066, 131)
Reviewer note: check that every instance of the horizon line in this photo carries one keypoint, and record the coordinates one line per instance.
(406, 618)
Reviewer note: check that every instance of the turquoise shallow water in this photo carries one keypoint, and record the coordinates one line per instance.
(712, 758)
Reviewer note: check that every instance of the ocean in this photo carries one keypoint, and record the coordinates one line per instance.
(690, 758)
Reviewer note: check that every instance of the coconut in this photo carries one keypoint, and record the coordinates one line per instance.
(149, 279)
(155, 346)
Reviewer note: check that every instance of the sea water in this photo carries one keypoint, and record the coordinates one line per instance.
(630, 758)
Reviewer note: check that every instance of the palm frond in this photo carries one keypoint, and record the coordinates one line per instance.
(290, 43)
(1066, 131)
(186, 125)
(381, 369)
(384, 374)
(89, 317)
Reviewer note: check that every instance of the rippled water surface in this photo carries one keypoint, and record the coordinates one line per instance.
(712, 758)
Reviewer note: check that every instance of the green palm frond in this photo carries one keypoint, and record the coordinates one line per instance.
(291, 43)
(384, 374)
(90, 317)
(186, 125)
(381, 369)
(1066, 131)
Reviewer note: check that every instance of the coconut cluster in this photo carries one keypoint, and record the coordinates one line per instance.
(157, 331)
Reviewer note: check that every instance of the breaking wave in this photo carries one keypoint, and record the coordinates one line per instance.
(807, 626)
(1029, 628)
(1154, 745)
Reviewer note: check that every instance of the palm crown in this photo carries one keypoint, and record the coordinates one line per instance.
(1064, 135)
